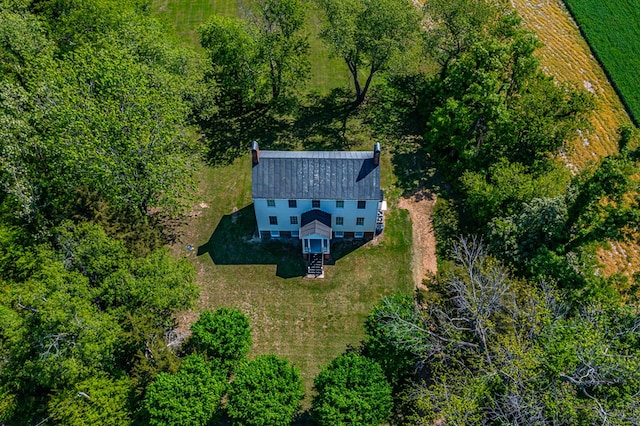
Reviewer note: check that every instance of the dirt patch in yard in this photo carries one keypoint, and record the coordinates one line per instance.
(420, 206)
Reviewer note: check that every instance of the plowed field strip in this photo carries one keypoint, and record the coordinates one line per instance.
(567, 56)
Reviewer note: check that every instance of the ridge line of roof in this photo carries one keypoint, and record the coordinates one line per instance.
(315, 154)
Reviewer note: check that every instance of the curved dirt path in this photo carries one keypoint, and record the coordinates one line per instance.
(420, 206)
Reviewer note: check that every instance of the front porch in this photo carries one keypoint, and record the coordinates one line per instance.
(315, 233)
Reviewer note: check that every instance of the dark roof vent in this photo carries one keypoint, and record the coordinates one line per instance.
(376, 154)
(255, 153)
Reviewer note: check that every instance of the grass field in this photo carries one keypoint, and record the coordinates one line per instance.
(185, 16)
(307, 321)
(612, 29)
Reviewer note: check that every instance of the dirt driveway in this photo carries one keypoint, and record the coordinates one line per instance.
(420, 206)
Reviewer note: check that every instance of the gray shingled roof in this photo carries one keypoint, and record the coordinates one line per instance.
(341, 175)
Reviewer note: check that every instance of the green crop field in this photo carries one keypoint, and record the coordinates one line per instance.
(186, 15)
(612, 29)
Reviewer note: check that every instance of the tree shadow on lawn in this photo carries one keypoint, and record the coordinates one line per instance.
(311, 123)
(415, 171)
(235, 242)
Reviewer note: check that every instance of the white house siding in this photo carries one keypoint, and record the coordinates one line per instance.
(283, 212)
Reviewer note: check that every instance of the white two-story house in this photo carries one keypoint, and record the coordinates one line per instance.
(316, 196)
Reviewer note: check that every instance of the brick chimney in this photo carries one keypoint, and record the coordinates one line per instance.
(255, 153)
(376, 154)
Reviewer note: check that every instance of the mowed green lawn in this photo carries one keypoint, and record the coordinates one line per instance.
(186, 15)
(612, 29)
(307, 321)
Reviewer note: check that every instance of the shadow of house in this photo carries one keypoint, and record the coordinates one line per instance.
(235, 242)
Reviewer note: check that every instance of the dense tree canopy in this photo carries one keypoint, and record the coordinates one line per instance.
(352, 389)
(268, 51)
(498, 350)
(494, 102)
(232, 49)
(99, 112)
(72, 309)
(224, 334)
(265, 391)
(94, 101)
(192, 396)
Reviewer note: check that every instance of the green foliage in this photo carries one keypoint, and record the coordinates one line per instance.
(265, 391)
(613, 32)
(541, 222)
(103, 110)
(62, 331)
(382, 334)
(191, 397)
(503, 189)
(283, 47)
(63, 337)
(497, 350)
(605, 204)
(352, 389)
(492, 101)
(232, 49)
(457, 26)
(446, 225)
(157, 284)
(96, 400)
(268, 51)
(368, 34)
(223, 334)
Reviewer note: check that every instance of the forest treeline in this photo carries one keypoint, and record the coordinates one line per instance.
(102, 113)
(96, 107)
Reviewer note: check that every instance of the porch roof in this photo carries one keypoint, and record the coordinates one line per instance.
(315, 222)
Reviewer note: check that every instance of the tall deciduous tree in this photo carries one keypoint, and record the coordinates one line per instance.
(104, 114)
(352, 389)
(232, 49)
(367, 34)
(223, 334)
(83, 309)
(283, 46)
(494, 101)
(397, 362)
(265, 391)
(454, 26)
(190, 397)
(498, 350)
(267, 51)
